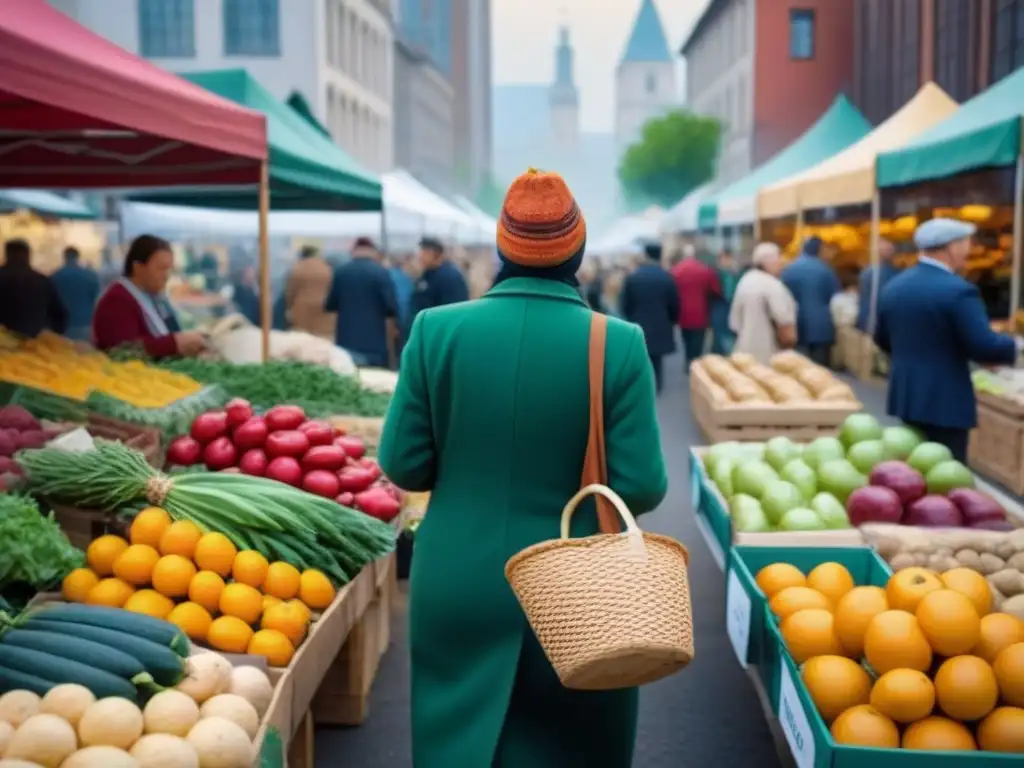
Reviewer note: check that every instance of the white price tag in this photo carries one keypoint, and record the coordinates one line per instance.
(737, 617)
(794, 722)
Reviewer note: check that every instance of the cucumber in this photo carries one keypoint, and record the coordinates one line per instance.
(13, 680)
(57, 670)
(166, 667)
(137, 624)
(88, 652)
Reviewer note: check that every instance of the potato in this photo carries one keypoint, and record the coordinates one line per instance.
(1014, 606)
(991, 564)
(969, 559)
(1008, 581)
(1016, 562)
(902, 560)
(1005, 549)
(941, 563)
(998, 598)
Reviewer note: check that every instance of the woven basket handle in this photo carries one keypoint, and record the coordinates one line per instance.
(608, 493)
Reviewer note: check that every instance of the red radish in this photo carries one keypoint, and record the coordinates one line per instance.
(392, 490)
(346, 499)
(324, 457)
(288, 443)
(251, 434)
(238, 411)
(184, 452)
(9, 466)
(378, 503)
(372, 465)
(321, 483)
(318, 432)
(220, 454)
(284, 417)
(355, 479)
(254, 462)
(208, 426)
(32, 438)
(339, 431)
(285, 469)
(16, 417)
(353, 446)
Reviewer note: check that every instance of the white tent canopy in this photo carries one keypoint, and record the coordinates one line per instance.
(487, 226)
(682, 217)
(628, 234)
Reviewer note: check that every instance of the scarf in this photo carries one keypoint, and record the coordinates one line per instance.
(563, 273)
(158, 313)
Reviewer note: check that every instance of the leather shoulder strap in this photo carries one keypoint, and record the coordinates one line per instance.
(595, 467)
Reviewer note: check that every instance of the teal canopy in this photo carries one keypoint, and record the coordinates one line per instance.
(299, 103)
(43, 203)
(839, 127)
(984, 133)
(308, 171)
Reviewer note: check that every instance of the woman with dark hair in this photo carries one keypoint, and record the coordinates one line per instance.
(135, 309)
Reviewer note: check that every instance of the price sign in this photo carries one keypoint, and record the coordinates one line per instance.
(737, 616)
(794, 722)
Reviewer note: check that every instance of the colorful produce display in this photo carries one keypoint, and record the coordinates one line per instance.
(921, 664)
(285, 446)
(1004, 382)
(791, 379)
(20, 429)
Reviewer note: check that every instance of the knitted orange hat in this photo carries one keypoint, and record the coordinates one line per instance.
(540, 224)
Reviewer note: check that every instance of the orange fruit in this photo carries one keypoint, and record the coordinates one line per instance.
(216, 553)
(269, 600)
(865, 726)
(288, 619)
(793, 599)
(273, 645)
(180, 538)
(282, 581)
(173, 575)
(854, 612)
(998, 630)
(966, 688)
(110, 592)
(809, 633)
(971, 585)
(150, 603)
(774, 578)
(949, 621)
(302, 608)
(938, 734)
(249, 567)
(907, 587)
(831, 579)
(1002, 731)
(192, 619)
(103, 552)
(135, 565)
(315, 590)
(242, 601)
(148, 526)
(894, 640)
(205, 589)
(229, 634)
(835, 684)
(1009, 671)
(76, 585)
(903, 695)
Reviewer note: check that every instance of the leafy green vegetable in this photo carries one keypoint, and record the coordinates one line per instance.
(33, 549)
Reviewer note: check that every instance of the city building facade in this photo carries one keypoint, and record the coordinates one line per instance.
(424, 118)
(757, 67)
(472, 83)
(645, 79)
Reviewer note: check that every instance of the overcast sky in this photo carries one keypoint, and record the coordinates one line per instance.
(525, 33)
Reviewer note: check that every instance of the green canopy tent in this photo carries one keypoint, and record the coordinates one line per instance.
(839, 127)
(307, 171)
(299, 104)
(44, 203)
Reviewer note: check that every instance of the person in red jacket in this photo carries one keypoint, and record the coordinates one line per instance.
(134, 308)
(697, 284)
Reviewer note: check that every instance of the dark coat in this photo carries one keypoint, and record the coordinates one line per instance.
(437, 287)
(483, 384)
(363, 295)
(813, 283)
(885, 274)
(933, 324)
(29, 302)
(651, 300)
(79, 289)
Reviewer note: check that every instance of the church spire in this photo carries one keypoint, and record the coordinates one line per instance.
(563, 96)
(565, 78)
(647, 41)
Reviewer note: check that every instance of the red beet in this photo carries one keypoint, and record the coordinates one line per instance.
(874, 504)
(975, 506)
(933, 511)
(908, 483)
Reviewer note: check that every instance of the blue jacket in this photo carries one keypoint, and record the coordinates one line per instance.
(79, 289)
(932, 324)
(885, 274)
(436, 288)
(813, 283)
(363, 295)
(650, 299)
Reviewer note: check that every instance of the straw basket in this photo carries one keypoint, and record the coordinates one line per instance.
(611, 610)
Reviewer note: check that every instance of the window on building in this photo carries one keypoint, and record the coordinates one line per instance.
(651, 83)
(1007, 38)
(167, 28)
(252, 28)
(801, 33)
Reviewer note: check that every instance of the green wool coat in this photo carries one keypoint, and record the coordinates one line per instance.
(491, 416)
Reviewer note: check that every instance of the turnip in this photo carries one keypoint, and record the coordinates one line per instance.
(355, 479)
(238, 412)
(284, 417)
(287, 443)
(208, 426)
(353, 446)
(285, 469)
(318, 432)
(320, 482)
(220, 454)
(329, 457)
(184, 451)
(251, 434)
(254, 462)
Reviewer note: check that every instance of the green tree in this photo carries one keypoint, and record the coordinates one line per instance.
(676, 154)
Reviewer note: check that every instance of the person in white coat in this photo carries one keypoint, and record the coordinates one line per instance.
(763, 313)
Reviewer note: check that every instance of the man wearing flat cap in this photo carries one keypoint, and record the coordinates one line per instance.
(933, 324)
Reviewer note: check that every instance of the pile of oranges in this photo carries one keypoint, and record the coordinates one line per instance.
(234, 602)
(921, 664)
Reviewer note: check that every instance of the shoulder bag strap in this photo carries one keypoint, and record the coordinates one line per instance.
(595, 467)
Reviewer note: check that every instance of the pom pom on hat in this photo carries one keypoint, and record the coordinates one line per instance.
(540, 225)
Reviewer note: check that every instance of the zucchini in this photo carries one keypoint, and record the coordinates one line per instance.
(137, 624)
(58, 670)
(106, 657)
(13, 680)
(166, 667)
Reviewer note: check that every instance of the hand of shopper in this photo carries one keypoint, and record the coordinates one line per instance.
(189, 343)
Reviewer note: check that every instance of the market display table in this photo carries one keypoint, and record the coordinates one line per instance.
(997, 443)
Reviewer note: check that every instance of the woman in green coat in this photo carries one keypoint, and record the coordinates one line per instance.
(491, 414)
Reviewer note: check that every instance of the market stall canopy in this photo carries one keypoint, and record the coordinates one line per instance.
(984, 133)
(77, 111)
(486, 225)
(403, 192)
(307, 170)
(839, 127)
(849, 177)
(682, 217)
(44, 203)
(628, 234)
(299, 103)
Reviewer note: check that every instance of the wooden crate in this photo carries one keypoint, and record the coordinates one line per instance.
(755, 423)
(81, 526)
(997, 444)
(146, 440)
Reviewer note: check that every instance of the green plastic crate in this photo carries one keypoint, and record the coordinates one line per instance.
(709, 504)
(749, 623)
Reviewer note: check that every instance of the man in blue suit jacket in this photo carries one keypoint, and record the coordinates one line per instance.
(886, 272)
(79, 289)
(813, 283)
(651, 300)
(932, 323)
